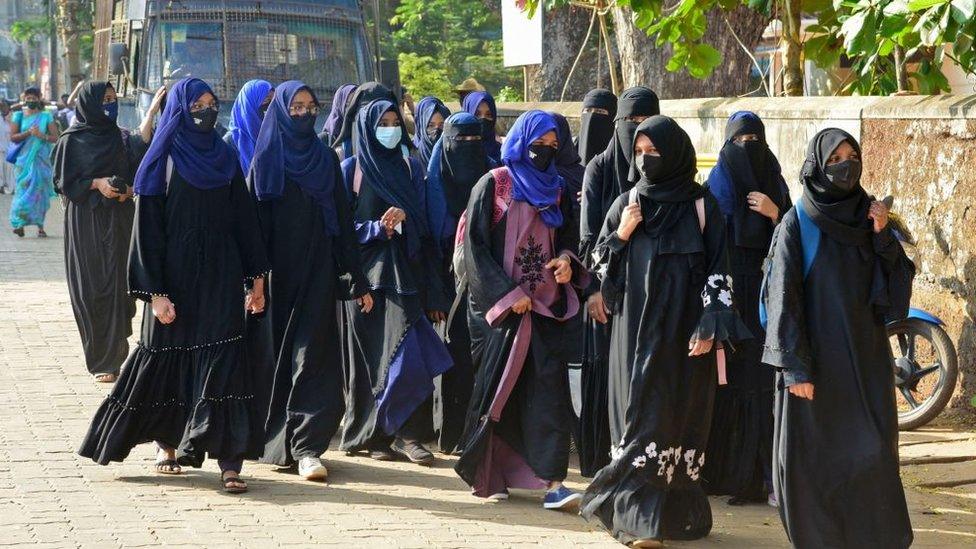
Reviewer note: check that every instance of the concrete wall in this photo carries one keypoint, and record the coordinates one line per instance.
(920, 149)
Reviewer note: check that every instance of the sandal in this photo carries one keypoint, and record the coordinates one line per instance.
(19, 232)
(41, 233)
(105, 378)
(232, 484)
(168, 467)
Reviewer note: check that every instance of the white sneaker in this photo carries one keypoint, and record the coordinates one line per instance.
(311, 468)
(772, 501)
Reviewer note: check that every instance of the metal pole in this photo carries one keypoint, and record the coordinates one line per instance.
(54, 58)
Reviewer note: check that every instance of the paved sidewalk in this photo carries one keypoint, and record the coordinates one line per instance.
(49, 497)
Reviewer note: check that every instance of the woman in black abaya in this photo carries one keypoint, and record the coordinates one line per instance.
(458, 161)
(394, 352)
(606, 177)
(196, 242)
(664, 269)
(93, 165)
(752, 195)
(835, 272)
(596, 123)
(305, 218)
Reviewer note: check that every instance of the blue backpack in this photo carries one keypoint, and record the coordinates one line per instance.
(809, 243)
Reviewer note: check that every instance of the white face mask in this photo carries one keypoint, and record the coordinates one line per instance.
(389, 137)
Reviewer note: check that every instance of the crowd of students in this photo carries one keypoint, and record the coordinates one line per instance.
(297, 284)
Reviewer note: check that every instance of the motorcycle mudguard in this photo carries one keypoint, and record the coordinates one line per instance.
(925, 316)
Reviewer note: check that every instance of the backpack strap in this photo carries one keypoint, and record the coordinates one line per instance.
(809, 237)
(503, 193)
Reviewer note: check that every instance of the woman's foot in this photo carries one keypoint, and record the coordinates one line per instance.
(105, 378)
(414, 451)
(166, 462)
(19, 232)
(312, 468)
(382, 455)
(232, 482)
(41, 233)
(646, 543)
(560, 498)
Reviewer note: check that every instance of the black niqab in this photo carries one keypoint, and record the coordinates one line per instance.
(843, 215)
(462, 163)
(567, 158)
(665, 199)
(92, 146)
(596, 129)
(636, 101)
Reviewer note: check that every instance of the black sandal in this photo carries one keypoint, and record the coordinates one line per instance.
(19, 232)
(234, 484)
(168, 467)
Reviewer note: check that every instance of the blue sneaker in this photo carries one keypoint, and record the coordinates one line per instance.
(561, 498)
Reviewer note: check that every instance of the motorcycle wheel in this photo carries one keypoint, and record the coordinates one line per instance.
(928, 371)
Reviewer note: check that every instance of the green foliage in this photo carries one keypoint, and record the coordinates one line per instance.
(508, 94)
(446, 41)
(30, 31)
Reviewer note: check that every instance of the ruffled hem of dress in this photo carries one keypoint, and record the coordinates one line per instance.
(721, 325)
(158, 398)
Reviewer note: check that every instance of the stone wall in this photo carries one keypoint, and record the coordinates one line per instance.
(920, 149)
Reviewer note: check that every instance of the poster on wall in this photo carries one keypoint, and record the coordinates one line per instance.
(521, 36)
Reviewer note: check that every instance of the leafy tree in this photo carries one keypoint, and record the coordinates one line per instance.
(447, 41)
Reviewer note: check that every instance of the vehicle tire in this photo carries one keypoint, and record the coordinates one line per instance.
(945, 353)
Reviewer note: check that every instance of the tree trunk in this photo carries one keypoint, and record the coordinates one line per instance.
(793, 70)
(901, 74)
(643, 63)
(68, 30)
(564, 30)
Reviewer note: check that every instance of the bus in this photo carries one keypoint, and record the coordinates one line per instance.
(143, 44)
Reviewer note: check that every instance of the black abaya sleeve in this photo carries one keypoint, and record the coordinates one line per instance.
(567, 242)
(719, 321)
(899, 270)
(591, 209)
(787, 340)
(491, 289)
(347, 244)
(609, 256)
(147, 254)
(248, 232)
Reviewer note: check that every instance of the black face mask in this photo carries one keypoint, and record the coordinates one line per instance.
(33, 105)
(844, 176)
(304, 123)
(541, 156)
(755, 150)
(205, 120)
(263, 110)
(649, 166)
(434, 133)
(487, 126)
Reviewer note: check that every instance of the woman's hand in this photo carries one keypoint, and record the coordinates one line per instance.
(436, 316)
(522, 306)
(365, 303)
(393, 217)
(698, 347)
(763, 205)
(802, 390)
(146, 128)
(597, 308)
(254, 300)
(629, 221)
(127, 195)
(104, 186)
(878, 213)
(562, 269)
(163, 309)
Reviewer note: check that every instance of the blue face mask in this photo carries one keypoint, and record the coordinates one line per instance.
(389, 137)
(111, 110)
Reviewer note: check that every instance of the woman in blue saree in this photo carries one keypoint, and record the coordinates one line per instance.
(34, 130)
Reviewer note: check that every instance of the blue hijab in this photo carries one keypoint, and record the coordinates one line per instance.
(425, 111)
(245, 119)
(471, 102)
(334, 121)
(200, 157)
(387, 172)
(529, 184)
(283, 152)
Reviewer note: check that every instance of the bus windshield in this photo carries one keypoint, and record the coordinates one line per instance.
(323, 53)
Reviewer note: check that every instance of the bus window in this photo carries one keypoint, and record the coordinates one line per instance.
(192, 49)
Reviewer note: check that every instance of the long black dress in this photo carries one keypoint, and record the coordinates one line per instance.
(97, 229)
(306, 402)
(520, 420)
(835, 458)
(187, 385)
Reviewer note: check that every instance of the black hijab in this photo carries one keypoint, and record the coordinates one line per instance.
(666, 198)
(752, 167)
(567, 158)
(91, 147)
(842, 215)
(636, 101)
(596, 129)
(462, 162)
(364, 95)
